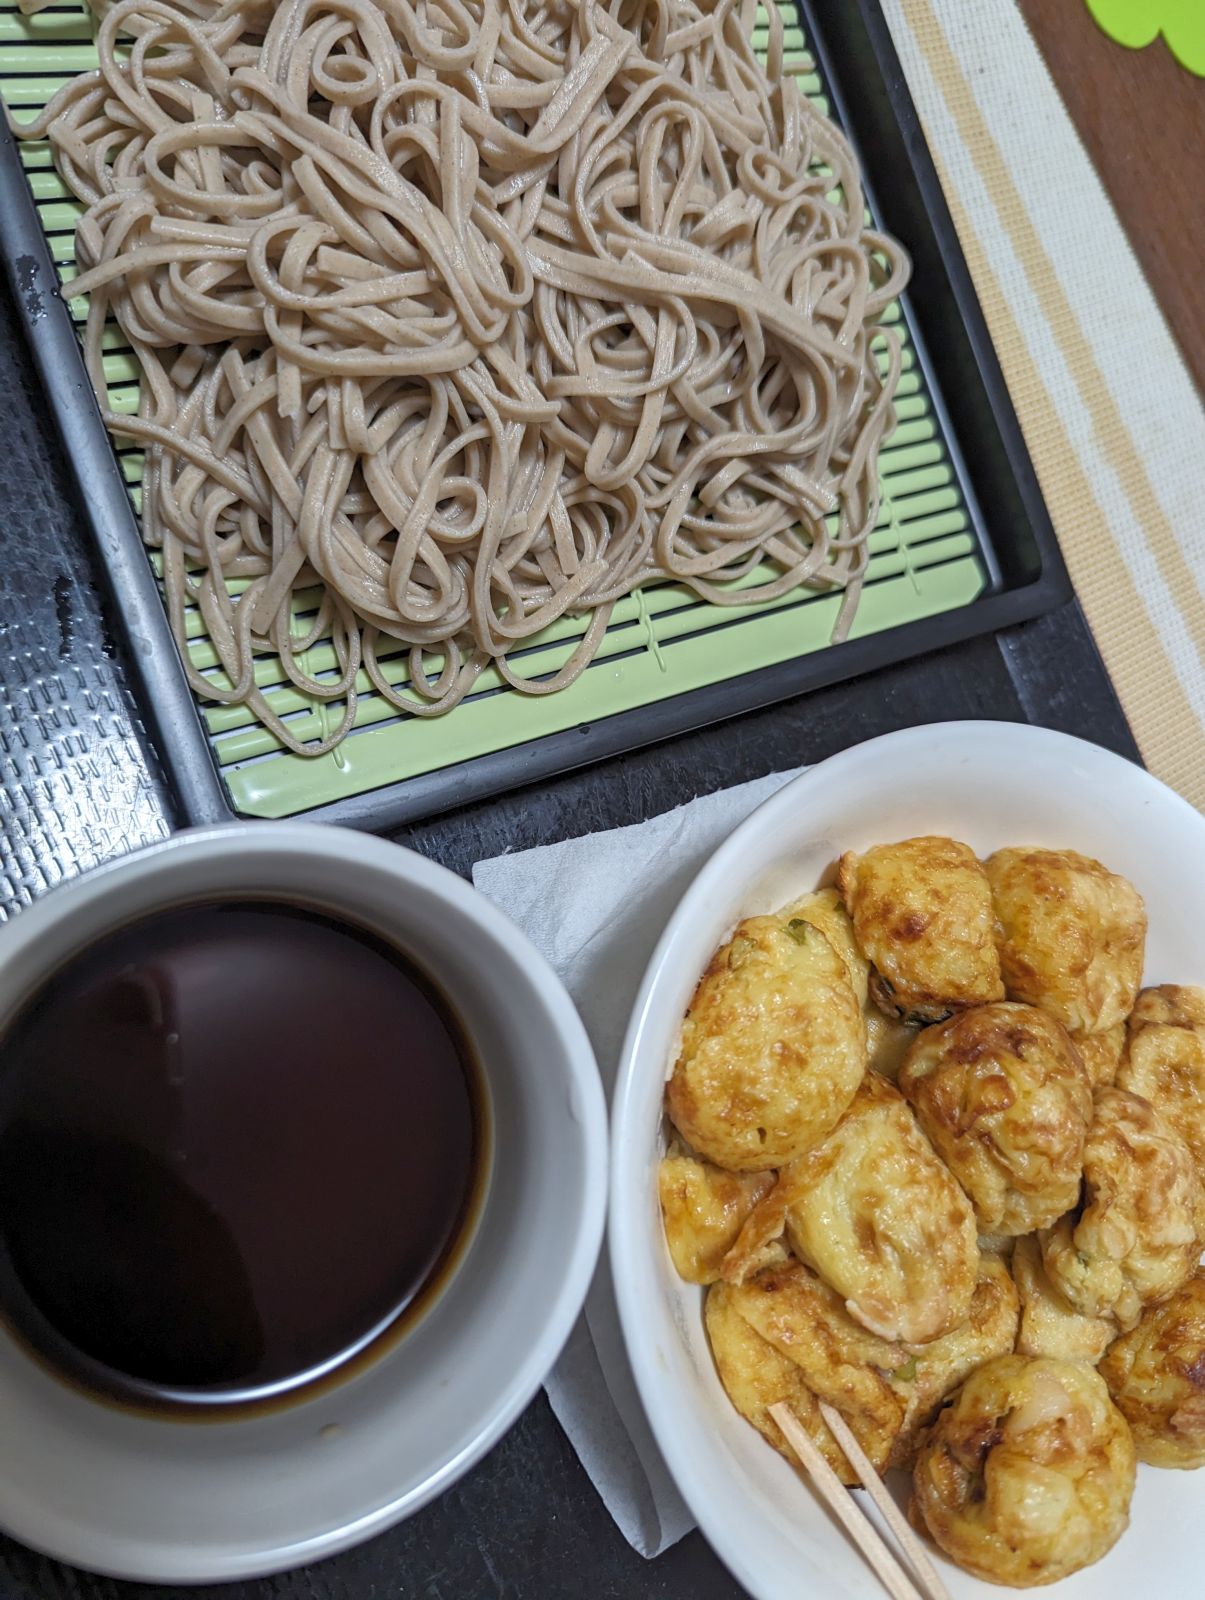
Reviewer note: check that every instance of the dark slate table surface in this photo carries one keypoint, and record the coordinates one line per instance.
(79, 783)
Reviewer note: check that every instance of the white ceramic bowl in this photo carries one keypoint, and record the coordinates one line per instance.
(173, 1501)
(990, 784)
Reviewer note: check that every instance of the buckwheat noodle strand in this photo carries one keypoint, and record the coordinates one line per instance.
(471, 315)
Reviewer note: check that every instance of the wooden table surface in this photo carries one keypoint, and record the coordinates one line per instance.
(1141, 116)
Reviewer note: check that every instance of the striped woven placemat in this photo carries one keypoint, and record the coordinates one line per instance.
(1112, 420)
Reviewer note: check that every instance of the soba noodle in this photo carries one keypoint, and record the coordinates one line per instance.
(473, 314)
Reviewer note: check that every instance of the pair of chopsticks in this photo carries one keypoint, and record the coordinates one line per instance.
(851, 1516)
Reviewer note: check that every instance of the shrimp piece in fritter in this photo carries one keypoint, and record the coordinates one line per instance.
(1027, 1474)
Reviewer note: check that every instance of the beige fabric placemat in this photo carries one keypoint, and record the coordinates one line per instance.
(1112, 420)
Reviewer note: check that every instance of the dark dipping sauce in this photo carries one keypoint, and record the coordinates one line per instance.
(238, 1143)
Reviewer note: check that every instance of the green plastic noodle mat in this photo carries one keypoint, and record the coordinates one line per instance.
(661, 642)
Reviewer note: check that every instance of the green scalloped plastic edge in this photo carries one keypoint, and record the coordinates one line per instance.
(1137, 23)
(661, 642)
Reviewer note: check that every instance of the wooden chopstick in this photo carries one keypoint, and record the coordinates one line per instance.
(847, 1511)
(895, 1519)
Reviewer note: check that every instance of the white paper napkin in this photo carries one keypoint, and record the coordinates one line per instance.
(596, 907)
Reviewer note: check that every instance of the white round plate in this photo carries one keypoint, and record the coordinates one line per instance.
(989, 784)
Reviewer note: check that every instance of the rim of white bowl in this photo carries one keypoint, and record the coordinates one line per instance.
(628, 1214)
(583, 1234)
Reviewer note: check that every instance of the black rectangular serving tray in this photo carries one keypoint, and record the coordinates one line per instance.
(1026, 576)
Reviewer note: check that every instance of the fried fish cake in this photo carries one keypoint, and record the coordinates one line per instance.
(801, 1318)
(1004, 1097)
(1156, 1375)
(1072, 935)
(755, 1377)
(1165, 1060)
(882, 1221)
(922, 912)
(1132, 1240)
(798, 1332)
(1101, 1053)
(773, 1047)
(1027, 1474)
(1050, 1325)
(703, 1209)
(936, 1369)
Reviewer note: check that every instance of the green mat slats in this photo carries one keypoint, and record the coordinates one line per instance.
(662, 642)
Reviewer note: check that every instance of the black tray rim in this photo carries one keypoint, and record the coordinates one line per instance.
(173, 715)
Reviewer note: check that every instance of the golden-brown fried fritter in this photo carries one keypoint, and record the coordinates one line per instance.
(823, 909)
(1132, 1240)
(1027, 1474)
(1165, 1060)
(1004, 1097)
(703, 1209)
(922, 913)
(773, 1047)
(1072, 935)
(936, 1369)
(798, 1333)
(805, 1322)
(1050, 1325)
(1101, 1053)
(755, 1377)
(1156, 1375)
(882, 1221)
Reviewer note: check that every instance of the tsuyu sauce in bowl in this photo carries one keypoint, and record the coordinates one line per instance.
(241, 1143)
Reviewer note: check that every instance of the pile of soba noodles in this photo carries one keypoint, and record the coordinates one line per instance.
(470, 314)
